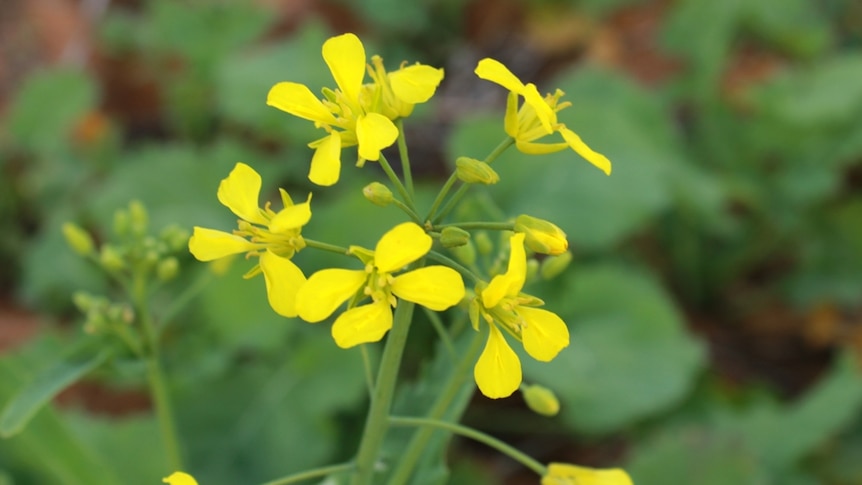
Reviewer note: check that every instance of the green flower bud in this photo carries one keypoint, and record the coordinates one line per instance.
(83, 301)
(139, 219)
(541, 400)
(472, 171)
(175, 237)
(167, 269)
(532, 269)
(465, 253)
(78, 239)
(111, 258)
(453, 237)
(378, 194)
(483, 243)
(553, 266)
(541, 236)
(121, 222)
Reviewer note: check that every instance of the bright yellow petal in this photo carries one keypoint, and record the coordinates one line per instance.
(298, 100)
(539, 148)
(494, 71)
(209, 244)
(180, 478)
(415, 84)
(547, 116)
(374, 132)
(399, 247)
(510, 122)
(345, 57)
(498, 370)
(326, 290)
(545, 334)
(283, 280)
(564, 474)
(434, 287)
(291, 217)
(367, 323)
(510, 283)
(240, 191)
(326, 162)
(583, 150)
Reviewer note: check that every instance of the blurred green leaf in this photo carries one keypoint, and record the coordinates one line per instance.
(796, 26)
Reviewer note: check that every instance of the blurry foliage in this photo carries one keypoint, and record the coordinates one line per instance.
(725, 192)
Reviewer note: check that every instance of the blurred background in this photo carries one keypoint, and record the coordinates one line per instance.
(714, 298)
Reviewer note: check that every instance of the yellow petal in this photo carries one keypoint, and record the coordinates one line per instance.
(498, 370)
(326, 162)
(374, 132)
(510, 283)
(544, 112)
(240, 191)
(291, 217)
(209, 244)
(434, 287)
(583, 150)
(367, 323)
(298, 100)
(539, 148)
(565, 474)
(415, 84)
(545, 334)
(345, 57)
(325, 291)
(180, 478)
(283, 280)
(510, 122)
(399, 247)
(494, 71)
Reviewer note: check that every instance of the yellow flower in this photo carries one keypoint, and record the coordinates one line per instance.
(435, 287)
(395, 93)
(501, 304)
(537, 117)
(272, 236)
(542, 236)
(564, 474)
(180, 478)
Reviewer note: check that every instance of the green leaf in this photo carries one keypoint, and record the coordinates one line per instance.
(630, 356)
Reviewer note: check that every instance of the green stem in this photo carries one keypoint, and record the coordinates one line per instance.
(453, 264)
(376, 424)
(489, 226)
(471, 433)
(405, 158)
(457, 379)
(408, 199)
(410, 213)
(369, 373)
(444, 191)
(186, 296)
(311, 243)
(309, 474)
(437, 323)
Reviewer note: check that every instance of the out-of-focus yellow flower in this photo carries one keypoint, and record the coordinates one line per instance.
(354, 114)
(537, 117)
(180, 478)
(565, 474)
(434, 287)
(502, 305)
(272, 236)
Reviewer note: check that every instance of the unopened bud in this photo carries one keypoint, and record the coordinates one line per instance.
(78, 239)
(532, 269)
(453, 237)
(121, 222)
(138, 218)
(83, 301)
(483, 243)
(541, 400)
(465, 253)
(553, 266)
(176, 237)
(541, 236)
(167, 269)
(472, 171)
(111, 259)
(378, 194)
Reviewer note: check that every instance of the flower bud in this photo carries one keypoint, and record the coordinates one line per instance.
(175, 237)
(378, 194)
(465, 253)
(541, 400)
(83, 301)
(111, 258)
(453, 237)
(483, 243)
(532, 269)
(121, 222)
(472, 171)
(139, 219)
(78, 239)
(553, 266)
(167, 268)
(541, 236)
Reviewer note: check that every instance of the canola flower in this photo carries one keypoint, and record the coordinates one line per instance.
(434, 287)
(354, 114)
(274, 237)
(537, 117)
(179, 478)
(502, 305)
(565, 474)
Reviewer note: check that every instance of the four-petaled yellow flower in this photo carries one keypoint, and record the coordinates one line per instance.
(273, 236)
(565, 474)
(537, 117)
(354, 114)
(501, 304)
(434, 287)
(180, 478)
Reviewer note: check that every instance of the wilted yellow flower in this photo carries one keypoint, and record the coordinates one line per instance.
(565, 474)
(537, 117)
(180, 478)
(502, 305)
(272, 236)
(434, 287)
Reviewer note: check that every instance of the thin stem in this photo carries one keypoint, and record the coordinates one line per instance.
(186, 296)
(309, 474)
(311, 243)
(408, 199)
(453, 264)
(407, 210)
(405, 158)
(376, 424)
(369, 373)
(489, 226)
(471, 433)
(444, 191)
(457, 379)
(437, 323)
